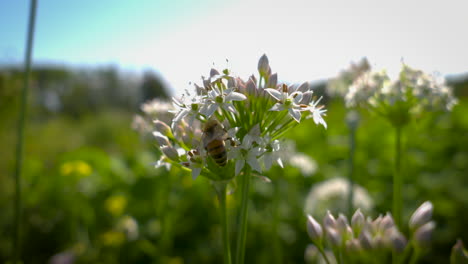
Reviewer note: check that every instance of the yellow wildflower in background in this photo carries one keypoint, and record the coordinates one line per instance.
(78, 167)
(116, 204)
(112, 238)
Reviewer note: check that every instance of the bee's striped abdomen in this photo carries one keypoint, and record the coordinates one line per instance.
(217, 150)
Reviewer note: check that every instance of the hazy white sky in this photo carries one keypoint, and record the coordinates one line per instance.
(304, 40)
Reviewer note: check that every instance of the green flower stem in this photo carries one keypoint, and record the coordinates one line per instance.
(221, 191)
(324, 255)
(242, 231)
(397, 180)
(20, 133)
(277, 253)
(415, 255)
(352, 150)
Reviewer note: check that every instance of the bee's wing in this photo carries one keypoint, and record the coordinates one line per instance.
(221, 133)
(206, 139)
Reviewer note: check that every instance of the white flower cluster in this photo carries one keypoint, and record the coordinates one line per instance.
(228, 123)
(411, 93)
(338, 86)
(363, 238)
(154, 109)
(333, 193)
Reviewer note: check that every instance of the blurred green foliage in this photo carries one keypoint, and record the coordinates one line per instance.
(90, 190)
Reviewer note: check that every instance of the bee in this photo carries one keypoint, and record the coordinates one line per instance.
(213, 139)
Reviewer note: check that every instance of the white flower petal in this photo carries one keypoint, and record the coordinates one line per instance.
(275, 93)
(229, 107)
(247, 142)
(180, 115)
(239, 165)
(297, 97)
(296, 114)
(277, 107)
(234, 96)
(209, 110)
(254, 164)
(280, 162)
(195, 172)
(268, 160)
(234, 153)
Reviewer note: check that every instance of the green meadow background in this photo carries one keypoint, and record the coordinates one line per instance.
(91, 193)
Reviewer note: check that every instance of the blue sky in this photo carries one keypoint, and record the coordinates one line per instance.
(304, 39)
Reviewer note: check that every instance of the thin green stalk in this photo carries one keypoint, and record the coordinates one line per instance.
(352, 150)
(277, 253)
(20, 132)
(397, 180)
(320, 249)
(224, 223)
(415, 255)
(241, 236)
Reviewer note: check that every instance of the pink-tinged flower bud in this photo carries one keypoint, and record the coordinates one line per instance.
(170, 152)
(251, 87)
(314, 229)
(365, 240)
(375, 225)
(333, 236)
(232, 83)
(387, 222)
(395, 240)
(263, 65)
(329, 221)
(421, 216)
(357, 221)
(161, 139)
(342, 223)
(163, 128)
(213, 72)
(272, 81)
(422, 235)
(187, 140)
(353, 245)
(459, 254)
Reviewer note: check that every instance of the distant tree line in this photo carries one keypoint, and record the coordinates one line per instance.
(76, 92)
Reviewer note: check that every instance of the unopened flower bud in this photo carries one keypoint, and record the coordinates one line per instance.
(365, 240)
(357, 221)
(170, 152)
(396, 241)
(251, 87)
(329, 221)
(314, 229)
(163, 128)
(341, 223)
(375, 225)
(272, 81)
(213, 72)
(459, 254)
(422, 235)
(161, 139)
(263, 65)
(421, 216)
(353, 245)
(187, 140)
(387, 222)
(232, 83)
(333, 236)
